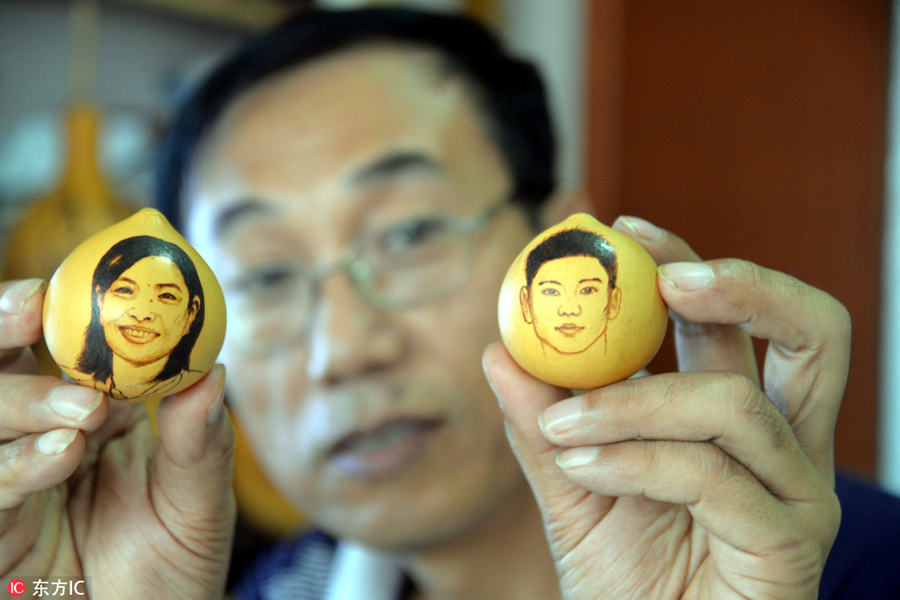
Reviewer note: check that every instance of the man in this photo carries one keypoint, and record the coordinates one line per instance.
(570, 292)
(360, 182)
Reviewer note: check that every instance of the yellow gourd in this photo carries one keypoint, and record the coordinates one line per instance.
(580, 308)
(135, 311)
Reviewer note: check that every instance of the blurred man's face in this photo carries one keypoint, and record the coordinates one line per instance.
(378, 425)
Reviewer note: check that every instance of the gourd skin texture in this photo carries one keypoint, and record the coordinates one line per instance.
(580, 308)
(135, 311)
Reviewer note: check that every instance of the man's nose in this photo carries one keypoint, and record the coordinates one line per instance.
(347, 337)
(569, 308)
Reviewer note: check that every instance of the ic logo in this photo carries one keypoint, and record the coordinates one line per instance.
(16, 587)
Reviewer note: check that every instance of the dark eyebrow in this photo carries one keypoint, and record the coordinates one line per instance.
(549, 281)
(168, 285)
(395, 163)
(235, 212)
(597, 279)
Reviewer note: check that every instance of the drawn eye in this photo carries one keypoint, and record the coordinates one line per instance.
(168, 296)
(586, 291)
(123, 291)
(550, 292)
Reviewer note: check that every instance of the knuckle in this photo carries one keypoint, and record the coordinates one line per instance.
(746, 271)
(7, 465)
(839, 318)
(616, 401)
(715, 466)
(10, 454)
(753, 409)
(10, 476)
(739, 386)
(832, 325)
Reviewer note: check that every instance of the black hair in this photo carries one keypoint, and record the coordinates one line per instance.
(572, 242)
(509, 91)
(96, 356)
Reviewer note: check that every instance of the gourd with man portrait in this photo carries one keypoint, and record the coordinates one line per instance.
(579, 307)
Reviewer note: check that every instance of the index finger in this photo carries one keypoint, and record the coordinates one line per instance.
(699, 346)
(21, 305)
(808, 358)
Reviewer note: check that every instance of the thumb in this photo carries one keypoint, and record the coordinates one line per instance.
(569, 510)
(193, 464)
(522, 399)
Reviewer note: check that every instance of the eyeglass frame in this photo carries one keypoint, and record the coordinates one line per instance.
(360, 272)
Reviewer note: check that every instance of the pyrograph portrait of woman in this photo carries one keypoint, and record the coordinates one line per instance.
(147, 311)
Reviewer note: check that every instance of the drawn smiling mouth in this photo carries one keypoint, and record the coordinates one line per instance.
(569, 329)
(138, 335)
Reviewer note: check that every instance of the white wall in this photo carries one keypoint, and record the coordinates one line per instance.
(889, 451)
(554, 35)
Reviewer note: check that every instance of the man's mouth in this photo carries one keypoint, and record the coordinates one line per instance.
(569, 329)
(138, 335)
(378, 452)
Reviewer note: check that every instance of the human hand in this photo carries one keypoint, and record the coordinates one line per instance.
(702, 483)
(88, 491)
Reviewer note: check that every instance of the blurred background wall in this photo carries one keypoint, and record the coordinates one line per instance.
(757, 130)
(753, 129)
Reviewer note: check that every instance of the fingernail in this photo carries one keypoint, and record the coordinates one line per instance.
(217, 407)
(577, 457)
(18, 294)
(74, 401)
(561, 416)
(56, 441)
(687, 276)
(641, 228)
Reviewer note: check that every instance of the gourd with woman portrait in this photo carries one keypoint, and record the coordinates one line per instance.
(135, 311)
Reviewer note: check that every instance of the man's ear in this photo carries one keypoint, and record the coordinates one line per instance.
(562, 205)
(525, 302)
(615, 303)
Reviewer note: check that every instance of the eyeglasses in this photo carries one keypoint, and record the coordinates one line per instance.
(413, 261)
